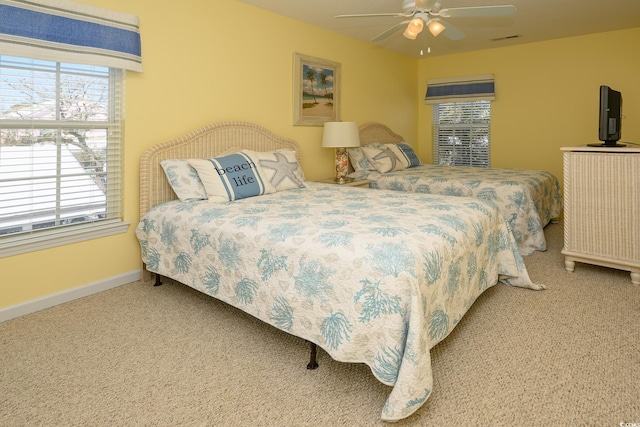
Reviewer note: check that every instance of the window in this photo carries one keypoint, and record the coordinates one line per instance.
(461, 133)
(60, 165)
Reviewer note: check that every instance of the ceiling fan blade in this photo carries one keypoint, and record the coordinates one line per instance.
(480, 11)
(391, 31)
(373, 15)
(450, 31)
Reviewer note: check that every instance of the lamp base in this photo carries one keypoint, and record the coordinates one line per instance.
(342, 165)
(343, 180)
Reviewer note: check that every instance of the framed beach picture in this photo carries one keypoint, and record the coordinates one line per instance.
(316, 91)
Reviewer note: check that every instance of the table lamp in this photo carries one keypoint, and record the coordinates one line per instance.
(341, 135)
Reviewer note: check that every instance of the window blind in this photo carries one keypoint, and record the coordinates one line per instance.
(461, 133)
(60, 160)
(67, 31)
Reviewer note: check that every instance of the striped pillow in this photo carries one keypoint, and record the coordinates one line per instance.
(410, 156)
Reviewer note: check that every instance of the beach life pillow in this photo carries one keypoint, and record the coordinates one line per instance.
(386, 158)
(184, 180)
(358, 160)
(232, 177)
(280, 167)
(410, 156)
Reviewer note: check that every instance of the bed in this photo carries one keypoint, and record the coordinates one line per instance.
(373, 280)
(528, 199)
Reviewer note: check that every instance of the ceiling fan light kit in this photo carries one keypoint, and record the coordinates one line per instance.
(416, 26)
(430, 13)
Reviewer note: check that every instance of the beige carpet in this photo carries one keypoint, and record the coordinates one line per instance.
(169, 356)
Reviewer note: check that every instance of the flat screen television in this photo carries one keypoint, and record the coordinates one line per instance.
(610, 126)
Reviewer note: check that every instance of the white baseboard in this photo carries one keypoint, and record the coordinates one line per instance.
(38, 304)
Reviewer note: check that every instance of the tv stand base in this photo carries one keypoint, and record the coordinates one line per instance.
(571, 259)
(604, 145)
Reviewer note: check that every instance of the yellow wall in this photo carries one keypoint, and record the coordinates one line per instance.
(546, 94)
(198, 70)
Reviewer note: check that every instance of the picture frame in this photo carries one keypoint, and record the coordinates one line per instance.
(316, 91)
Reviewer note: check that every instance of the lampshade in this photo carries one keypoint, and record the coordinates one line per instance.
(341, 135)
(436, 27)
(414, 28)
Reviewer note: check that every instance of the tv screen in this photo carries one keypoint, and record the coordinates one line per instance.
(610, 126)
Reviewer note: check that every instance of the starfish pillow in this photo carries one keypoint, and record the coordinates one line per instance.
(280, 167)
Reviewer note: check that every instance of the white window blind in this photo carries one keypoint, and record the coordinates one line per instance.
(60, 163)
(461, 133)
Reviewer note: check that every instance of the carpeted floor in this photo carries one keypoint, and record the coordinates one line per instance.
(169, 356)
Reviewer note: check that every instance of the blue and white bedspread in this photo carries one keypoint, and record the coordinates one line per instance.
(375, 280)
(528, 199)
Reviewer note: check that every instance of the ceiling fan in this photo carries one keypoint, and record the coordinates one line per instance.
(429, 13)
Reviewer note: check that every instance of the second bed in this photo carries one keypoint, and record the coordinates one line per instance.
(528, 199)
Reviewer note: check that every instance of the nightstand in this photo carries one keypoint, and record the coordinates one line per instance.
(355, 183)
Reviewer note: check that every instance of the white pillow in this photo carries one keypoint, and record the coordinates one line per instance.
(232, 177)
(386, 158)
(280, 167)
(184, 180)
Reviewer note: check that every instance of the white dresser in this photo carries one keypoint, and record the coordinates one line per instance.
(602, 207)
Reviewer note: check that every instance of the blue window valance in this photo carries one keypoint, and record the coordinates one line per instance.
(461, 89)
(67, 31)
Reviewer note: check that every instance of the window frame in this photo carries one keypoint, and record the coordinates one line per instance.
(63, 234)
(467, 125)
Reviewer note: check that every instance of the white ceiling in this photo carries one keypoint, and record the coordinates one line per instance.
(534, 20)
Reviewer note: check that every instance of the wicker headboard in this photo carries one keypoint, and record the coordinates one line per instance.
(205, 142)
(376, 132)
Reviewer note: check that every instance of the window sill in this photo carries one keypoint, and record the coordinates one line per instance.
(23, 243)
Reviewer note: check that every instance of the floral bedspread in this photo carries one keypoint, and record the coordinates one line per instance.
(375, 280)
(528, 199)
